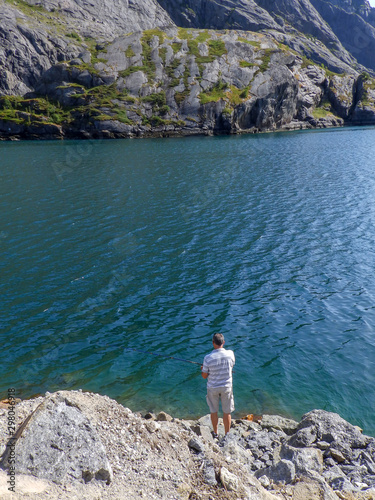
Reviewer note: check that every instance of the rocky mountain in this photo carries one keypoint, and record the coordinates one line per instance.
(344, 26)
(69, 70)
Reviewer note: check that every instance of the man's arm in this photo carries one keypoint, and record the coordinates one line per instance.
(204, 374)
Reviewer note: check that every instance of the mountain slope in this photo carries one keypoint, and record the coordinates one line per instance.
(38, 33)
(67, 72)
(181, 82)
(355, 33)
(344, 26)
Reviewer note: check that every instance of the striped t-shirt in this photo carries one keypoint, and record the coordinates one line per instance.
(218, 364)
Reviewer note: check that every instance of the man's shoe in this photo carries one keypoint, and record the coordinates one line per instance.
(214, 435)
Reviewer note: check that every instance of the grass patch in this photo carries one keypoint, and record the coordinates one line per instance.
(129, 52)
(368, 86)
(129, 71)
(217, 92)
(104, 95)
(163, 54)
(216, 48)
(176, 46)
(321, 113)
(157, 100)
(75, 36)
(148, 35)
(306, 62)
(122, 117)
(250, 42)
(332, 73)
(181, 96)
(26, 111)
(266, 60)
(237, 96)
(247, 64)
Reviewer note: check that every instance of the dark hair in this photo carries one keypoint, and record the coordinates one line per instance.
(218, 339)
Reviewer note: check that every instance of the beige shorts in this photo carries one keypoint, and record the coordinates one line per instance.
(226, 396)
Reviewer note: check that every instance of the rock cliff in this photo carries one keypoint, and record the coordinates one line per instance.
(68, 73)
(345, 27)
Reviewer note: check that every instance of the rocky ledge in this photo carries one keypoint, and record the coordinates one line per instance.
(72, 444)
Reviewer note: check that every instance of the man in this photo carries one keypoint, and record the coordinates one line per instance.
(217, 369)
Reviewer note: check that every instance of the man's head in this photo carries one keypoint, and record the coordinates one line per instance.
(218, 340)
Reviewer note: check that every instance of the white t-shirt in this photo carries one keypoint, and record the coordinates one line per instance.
(218, 364)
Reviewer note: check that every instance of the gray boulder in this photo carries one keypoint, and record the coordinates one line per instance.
(275, 422)
(281, 472)
(58, 442)
(305, 460)
(330, 427)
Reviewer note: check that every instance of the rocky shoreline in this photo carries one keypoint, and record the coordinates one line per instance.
(73, 444)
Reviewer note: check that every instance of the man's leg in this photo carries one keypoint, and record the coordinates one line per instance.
(214, 421)
(227, 420)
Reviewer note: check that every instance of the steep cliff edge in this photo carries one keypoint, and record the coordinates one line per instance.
(62, 76)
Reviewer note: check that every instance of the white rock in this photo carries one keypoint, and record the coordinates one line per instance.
(229, 480)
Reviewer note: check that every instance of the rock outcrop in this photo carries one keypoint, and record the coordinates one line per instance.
(345, 27)
(182, 82)
(63, 78)
(95, 448)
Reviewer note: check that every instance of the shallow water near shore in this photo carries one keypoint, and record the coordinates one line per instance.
(157, 244)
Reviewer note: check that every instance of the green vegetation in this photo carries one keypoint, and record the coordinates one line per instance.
(329, 72)
(156, 121)
(368, 88)
(217, 92)
(176, 46)
(201, 36)
(129, 52)
(266, 60)
(28, 111)
(237, 95)
(323, 110)
(250, 42)
(129, 71)
(216, 48)
(163, 54)
(247, 64)
(306, 62)
(148, 35)
(75, 36)
(321, 113)
(158, 101)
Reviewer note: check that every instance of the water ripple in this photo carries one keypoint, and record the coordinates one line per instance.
(156, 245)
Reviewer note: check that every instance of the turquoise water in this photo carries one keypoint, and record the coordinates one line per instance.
(157, 244)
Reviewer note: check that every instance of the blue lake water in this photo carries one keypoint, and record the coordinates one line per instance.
(158, 244)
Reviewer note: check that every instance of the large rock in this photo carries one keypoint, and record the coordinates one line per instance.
(331, 428)
(281, 472)
(57, 442)
(311, 488)
(305, 460)
(275, 422)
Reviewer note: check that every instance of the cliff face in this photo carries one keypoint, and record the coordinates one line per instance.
(178, 81)
(354, 30)
(38, 33)
(344, 26)
(65, 72)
